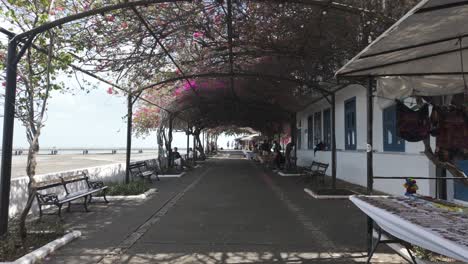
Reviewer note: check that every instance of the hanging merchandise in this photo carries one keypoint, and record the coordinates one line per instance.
(413, 125)
(451, 131)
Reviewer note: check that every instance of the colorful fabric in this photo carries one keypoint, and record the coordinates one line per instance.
(413, 125)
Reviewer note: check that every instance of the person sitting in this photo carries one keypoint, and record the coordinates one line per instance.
(177, 158)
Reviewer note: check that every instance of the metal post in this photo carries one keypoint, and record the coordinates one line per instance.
(8, 123)
(129, 137)
(369, 149)
(194, 148)
(294, 137)
(333, 139)
(188, 141)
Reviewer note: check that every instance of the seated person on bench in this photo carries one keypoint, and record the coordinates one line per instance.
(178, 160)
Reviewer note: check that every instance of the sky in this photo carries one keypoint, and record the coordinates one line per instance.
(87, 120)
(92, 120)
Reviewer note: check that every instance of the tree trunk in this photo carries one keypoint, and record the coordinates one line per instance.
(161, 154)
(31, 172)
(200, 147)
(446, 165)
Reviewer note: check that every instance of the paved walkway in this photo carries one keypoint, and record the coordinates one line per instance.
(229, 211)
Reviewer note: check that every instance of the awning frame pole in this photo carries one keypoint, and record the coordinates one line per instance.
(333, 139)
(369, 150)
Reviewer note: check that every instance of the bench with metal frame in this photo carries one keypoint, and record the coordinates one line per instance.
(90, 188)
(140, 169)
(314, 172)
(152, 165)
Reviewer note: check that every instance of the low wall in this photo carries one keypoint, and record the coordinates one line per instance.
(19, 186)
(351, 167)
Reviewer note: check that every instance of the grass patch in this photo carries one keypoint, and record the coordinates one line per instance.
(39, 233)
(133, 188)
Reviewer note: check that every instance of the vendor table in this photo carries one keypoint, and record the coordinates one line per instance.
(430, 225)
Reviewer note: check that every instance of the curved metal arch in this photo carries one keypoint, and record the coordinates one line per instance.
(89, 13)
(235, 74)
(104, 9)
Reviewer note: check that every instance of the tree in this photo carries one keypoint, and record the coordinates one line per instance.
(36, 79)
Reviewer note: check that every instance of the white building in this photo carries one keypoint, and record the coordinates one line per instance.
(392, 156)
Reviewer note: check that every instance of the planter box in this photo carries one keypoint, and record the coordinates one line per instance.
(45, 250)
(142, 196)
(331, 196)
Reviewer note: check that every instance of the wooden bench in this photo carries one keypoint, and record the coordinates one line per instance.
(140, 169)
(86, 189)
(314, 172)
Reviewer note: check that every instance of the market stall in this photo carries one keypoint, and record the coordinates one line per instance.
(423, 57)
(437, 227)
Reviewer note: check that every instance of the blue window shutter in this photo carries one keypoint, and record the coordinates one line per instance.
(391, 141)
(327, 128)
(350, 124)
(310, 133)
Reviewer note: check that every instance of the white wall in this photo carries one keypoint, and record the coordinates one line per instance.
(19, 186)
(352, 165)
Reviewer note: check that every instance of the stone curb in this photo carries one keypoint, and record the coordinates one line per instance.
(171, 175)
(45, 250)
(142, 196)
(280, 173)
(324, 197)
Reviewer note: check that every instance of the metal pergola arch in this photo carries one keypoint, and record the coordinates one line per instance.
(26, 38)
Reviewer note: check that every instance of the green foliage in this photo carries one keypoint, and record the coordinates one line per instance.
(41, 232)
(133, 188)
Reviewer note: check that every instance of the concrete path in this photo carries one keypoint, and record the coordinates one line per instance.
(229, 211)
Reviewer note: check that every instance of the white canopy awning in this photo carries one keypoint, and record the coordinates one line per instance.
(425, 52)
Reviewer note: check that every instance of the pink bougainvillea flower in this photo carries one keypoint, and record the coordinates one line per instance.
(110, 90)
(110, 18)
(188, 85)
(198, 34)
(217, 19)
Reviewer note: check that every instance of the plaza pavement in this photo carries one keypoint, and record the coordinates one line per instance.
(229, 211)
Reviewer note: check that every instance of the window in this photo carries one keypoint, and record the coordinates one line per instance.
(391, 142)
(327, 128)
(317, 128)
(310, 133)
(350, 124)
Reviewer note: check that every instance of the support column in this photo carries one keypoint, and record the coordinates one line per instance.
(369, 150)
(129, 137)
(188, 140)
(333, 139)
(7, 144)
(294, 137)
(194, 148)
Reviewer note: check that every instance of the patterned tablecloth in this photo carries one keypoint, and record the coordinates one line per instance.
(430, 225)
